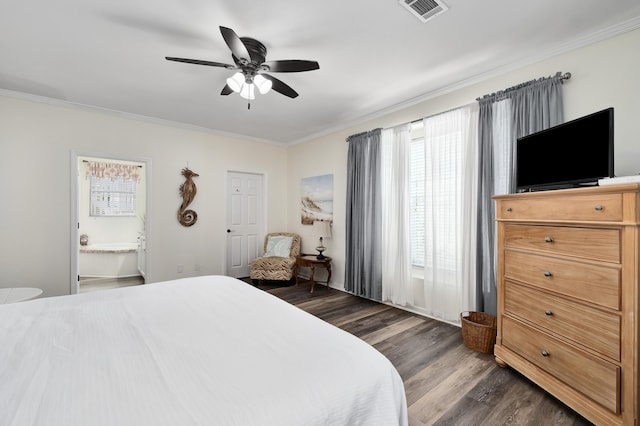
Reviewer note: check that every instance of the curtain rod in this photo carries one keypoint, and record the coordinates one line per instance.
(362, 133)
(565, 76)
(419, 120)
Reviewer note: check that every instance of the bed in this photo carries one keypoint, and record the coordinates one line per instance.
(198, 351)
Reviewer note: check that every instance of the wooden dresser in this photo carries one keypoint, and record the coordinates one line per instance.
(568, 268)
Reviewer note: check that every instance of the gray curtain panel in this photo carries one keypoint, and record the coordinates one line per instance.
(363, 272)
(486, 292)
(535, 105)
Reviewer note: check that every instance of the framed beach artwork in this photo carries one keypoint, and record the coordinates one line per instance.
(317, 199)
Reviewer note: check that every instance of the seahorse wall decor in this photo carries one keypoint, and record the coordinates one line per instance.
(188, 193)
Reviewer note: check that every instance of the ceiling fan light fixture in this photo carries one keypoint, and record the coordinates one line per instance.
(263, 84)
(249, 59)
(236, 82)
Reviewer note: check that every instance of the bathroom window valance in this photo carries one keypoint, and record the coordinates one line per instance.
(113, 171)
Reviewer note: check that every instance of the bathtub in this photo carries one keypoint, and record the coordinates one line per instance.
(109, 260)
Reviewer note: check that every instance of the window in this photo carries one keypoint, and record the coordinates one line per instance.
(112, 197)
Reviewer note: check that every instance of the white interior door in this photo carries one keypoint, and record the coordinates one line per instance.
(244, 221)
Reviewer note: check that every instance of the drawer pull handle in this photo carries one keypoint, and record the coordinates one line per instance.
(509, 209)
(548, 312)
(599, 207)
(547, 273)
(548, 239)
(545, 353)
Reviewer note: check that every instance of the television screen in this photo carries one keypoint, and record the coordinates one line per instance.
(575, 153)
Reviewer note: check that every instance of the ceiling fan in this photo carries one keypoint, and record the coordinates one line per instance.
(249, 60)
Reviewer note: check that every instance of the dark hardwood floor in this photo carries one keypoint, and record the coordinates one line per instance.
(446, 383)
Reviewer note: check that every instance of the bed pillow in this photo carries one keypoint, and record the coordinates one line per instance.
(278, 246)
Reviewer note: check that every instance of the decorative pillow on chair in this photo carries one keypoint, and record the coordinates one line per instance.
(278, 246)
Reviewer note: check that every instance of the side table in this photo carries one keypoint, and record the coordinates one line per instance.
(311, 261)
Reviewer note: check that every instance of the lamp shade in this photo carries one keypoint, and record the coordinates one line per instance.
(248, 91)
(262, 84)
(321, 229)
(236, 82)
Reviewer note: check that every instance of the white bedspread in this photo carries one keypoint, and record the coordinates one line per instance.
(197, 351)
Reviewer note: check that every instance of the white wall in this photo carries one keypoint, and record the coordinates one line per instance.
(36, 141)
(604, 74)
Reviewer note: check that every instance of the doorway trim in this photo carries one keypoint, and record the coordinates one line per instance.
(74, 284)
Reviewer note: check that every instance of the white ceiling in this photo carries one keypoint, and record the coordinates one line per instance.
(374, 55)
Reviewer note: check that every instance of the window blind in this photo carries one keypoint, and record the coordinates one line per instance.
(115, 197)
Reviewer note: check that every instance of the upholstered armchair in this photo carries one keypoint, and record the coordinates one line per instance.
(279, 258)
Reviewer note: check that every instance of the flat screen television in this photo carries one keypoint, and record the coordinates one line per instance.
(572, 154)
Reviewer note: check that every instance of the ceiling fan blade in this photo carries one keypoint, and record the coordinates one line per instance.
(235, 44)
(291, 65)
(226, 90)
(199, 62)
(281, 87)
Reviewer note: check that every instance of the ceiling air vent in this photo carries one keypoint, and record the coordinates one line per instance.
(424, 9)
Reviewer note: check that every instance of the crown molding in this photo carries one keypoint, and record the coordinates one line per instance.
(130, 116)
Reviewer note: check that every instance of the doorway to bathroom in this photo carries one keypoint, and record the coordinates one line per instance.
(109, 228)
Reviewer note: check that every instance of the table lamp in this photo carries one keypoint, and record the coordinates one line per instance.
(321, 229)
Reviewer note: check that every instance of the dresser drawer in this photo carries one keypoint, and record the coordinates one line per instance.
(595, 284)
(596, 207)
(589, 243)
(587, 326)
(597, 379)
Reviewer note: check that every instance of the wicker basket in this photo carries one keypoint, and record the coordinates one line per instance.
(478, 331)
